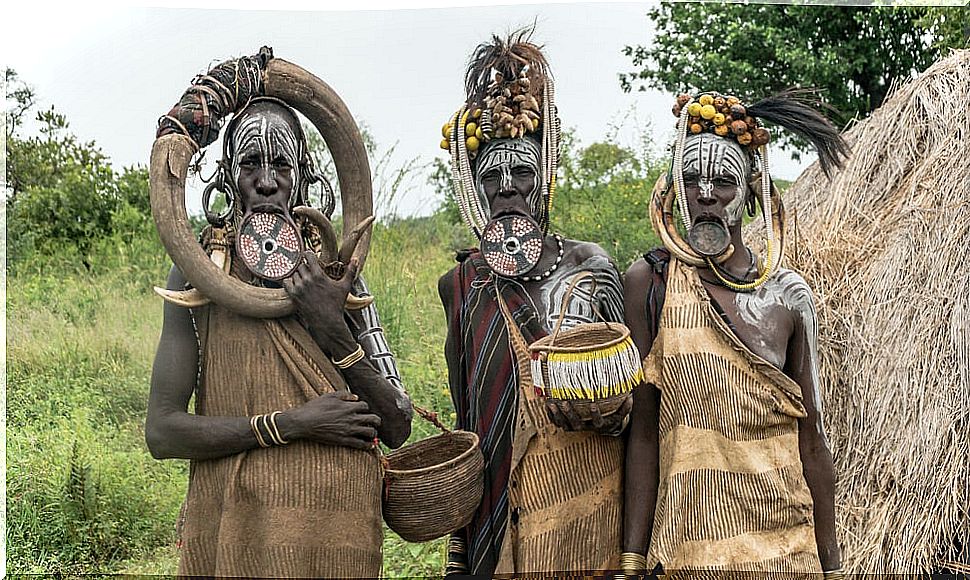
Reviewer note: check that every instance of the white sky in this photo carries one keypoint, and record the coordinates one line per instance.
(113, 70)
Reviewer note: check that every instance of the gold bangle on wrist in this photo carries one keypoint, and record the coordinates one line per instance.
(351, 359)
(633, 564)
(837, 574)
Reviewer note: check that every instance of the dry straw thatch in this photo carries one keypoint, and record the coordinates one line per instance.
(886, 247)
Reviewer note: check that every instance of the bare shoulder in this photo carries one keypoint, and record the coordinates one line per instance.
(588, 255)
(638, 275)
(793, 291)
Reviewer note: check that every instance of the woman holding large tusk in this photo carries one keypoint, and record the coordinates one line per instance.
(727, 466)
(292, 389)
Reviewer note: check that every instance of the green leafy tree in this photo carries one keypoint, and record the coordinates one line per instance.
(62, 196)
(853, 54)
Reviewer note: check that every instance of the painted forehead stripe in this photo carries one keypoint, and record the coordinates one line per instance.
(709, 156)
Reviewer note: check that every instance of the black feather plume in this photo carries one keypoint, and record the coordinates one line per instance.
(797, 110)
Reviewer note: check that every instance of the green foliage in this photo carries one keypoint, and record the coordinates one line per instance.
(63, 194)
(604, 194)
(852, 53)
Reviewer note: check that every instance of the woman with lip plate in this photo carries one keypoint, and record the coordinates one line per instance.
(727, 467)
(552, 499)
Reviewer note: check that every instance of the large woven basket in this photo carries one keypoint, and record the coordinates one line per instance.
(433, 486)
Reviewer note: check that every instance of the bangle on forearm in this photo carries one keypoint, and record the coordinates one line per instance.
(633, 564)
(265, 429)
(351, 359)
(837, 574)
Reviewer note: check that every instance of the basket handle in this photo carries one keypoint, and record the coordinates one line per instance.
(431, 417)
(565, 303)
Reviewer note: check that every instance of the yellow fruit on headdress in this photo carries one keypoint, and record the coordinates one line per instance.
(744, 138)
(719, 119)
(471, 143)
(470, 128)
(446, 130)
(476, 113)
(706, 100)
(478, 134)
(696, 128)
(444, 144)
(694, 109)
(535, 124)
(708, 112)
(722, 130)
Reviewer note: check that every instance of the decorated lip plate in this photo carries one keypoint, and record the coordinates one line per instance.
(512, 245)
(269, 245)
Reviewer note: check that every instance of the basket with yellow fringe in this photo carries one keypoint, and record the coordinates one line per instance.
(432, 487)
(594, 364)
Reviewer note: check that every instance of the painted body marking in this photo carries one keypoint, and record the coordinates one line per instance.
(504, 156)
(709, 158)
(268, 138)
(787, 289)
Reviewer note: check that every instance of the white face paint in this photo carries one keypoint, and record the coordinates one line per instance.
(506, 165)
(789, 290)
(266, 137)
(713, 162)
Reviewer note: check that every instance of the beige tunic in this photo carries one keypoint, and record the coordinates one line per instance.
(565, 491)
(300, 510)
(732, 495)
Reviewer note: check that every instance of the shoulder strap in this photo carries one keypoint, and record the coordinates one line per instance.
(658, 259)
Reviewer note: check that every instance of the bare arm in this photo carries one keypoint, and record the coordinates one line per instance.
(171, 431)
(642, 466)
(818, 468)
(316, 295)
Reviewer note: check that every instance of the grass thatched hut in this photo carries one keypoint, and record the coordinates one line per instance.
(886, 246)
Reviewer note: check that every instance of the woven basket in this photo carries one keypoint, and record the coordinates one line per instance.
(433, 486)
(592, 365)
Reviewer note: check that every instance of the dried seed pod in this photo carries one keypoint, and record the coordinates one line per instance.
(533, 102)
(525, 82)
(506, 92)
(744, 138)
(718, 119)
(751, 122)
(531, 114)
(499, 78)
(694, 120)
(675, 110)
(722, 130)
(731, 100)
(719, 102)
(739, 127)
(514, 131)
(696, 128)
(760, 136)
(519, 98)
(738, 111)
(682, 99)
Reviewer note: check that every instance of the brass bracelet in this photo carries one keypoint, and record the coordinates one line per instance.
(274, 430)
(633, 564)
(254, 425)
(837, 574)
(351, 359)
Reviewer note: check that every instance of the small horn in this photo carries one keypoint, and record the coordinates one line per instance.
(356, 241)
(358, 302)
(190, 298)
(328, 237)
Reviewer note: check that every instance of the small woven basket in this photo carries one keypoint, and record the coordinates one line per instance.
(594, 364)
(433, 486)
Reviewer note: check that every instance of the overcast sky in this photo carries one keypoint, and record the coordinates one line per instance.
(114, 70)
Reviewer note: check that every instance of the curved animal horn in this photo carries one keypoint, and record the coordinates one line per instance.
(192, 298)
(328, 238)
(169, 165)
(356, 244)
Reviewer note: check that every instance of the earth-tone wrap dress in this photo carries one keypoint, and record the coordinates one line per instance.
(299, 510)
(732, 496)
(553, 499)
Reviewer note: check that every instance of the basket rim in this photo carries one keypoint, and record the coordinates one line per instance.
(464, 454)
(542, 345)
